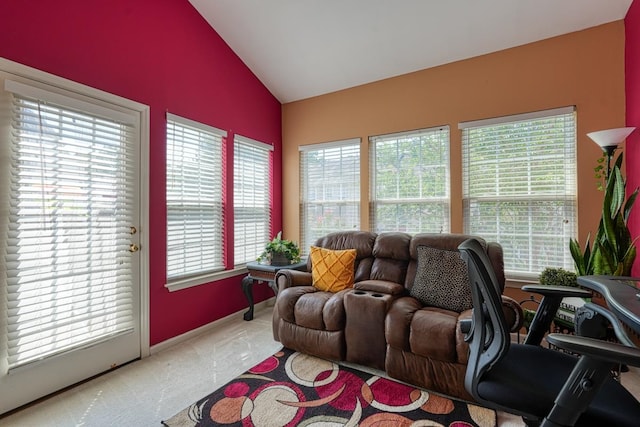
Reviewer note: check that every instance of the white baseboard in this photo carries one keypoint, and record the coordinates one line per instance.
(237, 316)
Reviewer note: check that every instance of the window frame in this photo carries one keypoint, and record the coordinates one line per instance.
(307, 201)
(248, 143)
(219, 271)
(561, 196)
(409, 198)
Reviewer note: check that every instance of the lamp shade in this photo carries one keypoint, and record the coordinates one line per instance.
(610, 137)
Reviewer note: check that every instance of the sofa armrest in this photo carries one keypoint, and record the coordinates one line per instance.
(398, 322)
(513, 313)
(380, 286)
(289, 278)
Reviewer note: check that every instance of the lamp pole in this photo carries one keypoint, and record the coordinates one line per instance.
(609, 150)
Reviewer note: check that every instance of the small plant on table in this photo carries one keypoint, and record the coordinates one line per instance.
(280, 251)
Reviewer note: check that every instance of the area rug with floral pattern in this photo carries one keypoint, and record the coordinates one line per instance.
(295, 389)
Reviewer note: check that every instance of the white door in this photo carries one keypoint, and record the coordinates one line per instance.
(69, 198)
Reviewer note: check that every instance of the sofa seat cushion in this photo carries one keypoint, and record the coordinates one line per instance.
(307, 307)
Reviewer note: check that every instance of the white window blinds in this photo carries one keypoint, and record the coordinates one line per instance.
(69, 271)
(519, 176)
(195, 213)
(410, 181)
(252, 178)
(330, 189)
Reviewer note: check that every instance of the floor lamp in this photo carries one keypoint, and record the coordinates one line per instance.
(609, 140)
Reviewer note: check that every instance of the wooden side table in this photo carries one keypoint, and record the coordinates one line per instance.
(264, 273)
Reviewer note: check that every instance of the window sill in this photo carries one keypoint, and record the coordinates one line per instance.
(519, 280)
(204, 279)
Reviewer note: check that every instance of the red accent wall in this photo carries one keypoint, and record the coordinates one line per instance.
(164, 54)
(632, 92)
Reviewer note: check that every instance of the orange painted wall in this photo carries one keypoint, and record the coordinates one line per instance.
(585, 69)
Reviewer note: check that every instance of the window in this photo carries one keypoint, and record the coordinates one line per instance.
(330, 193)
(252, 177)
(410, 181)
(519, 187)
(195, 213)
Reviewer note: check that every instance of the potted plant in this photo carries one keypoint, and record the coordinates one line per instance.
(613, 250)
(280, 252)
(552, 276)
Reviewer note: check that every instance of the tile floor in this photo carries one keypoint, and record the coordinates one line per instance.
(147, 391)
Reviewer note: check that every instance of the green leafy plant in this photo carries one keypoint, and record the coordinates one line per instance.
(552, 276)
(279, 247)
(613, 250)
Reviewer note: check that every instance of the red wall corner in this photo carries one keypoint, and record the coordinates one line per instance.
(161, 53)
(632, 93)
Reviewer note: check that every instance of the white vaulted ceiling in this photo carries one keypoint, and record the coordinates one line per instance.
(304, 48)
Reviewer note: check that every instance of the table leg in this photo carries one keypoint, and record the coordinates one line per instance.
(247, 285)
(274, 287)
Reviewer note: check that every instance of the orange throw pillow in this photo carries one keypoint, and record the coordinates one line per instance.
(332, 271)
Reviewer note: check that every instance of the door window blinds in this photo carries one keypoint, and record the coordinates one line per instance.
(519, 176)
(195, 214)
(69, 271)
(330, 189)
(252, 178)
(410, 181)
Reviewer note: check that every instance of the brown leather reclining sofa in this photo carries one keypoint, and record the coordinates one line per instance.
(377, 323)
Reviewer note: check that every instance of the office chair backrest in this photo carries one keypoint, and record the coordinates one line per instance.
(489, 335)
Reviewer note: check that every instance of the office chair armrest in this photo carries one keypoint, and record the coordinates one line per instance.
(591, 371)
(618, 329)
(557, 291)
(551, 299)
(598, 349)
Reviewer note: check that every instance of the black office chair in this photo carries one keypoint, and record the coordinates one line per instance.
(546, 387)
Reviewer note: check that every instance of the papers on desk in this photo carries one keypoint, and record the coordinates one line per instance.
(568, 307)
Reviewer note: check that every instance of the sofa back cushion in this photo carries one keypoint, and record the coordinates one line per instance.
(361, 241)
(391, 257)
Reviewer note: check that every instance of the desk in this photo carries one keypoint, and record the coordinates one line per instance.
(620, 294)
(264, 273)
